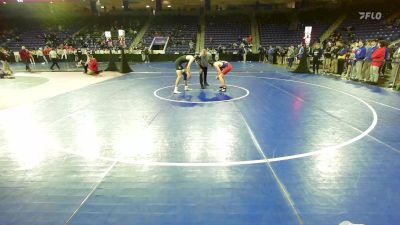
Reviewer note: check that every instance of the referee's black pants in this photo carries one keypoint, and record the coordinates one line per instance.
(55, 63)
(203, 76)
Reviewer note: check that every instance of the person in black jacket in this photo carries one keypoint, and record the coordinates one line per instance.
(261, 54)
(316, 56)
(203, 60)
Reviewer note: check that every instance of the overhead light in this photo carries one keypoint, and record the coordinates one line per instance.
(102, 6)
(169, 6)
(147, 6)
(122, 6)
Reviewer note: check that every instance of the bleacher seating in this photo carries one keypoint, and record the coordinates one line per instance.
(369, 29)
(180, 31)
(93, 35)
(225, 31)
(280, 34)
(35, 38)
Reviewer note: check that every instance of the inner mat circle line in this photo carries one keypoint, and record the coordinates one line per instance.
(198, 102)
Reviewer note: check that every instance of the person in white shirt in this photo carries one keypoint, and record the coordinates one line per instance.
(17, 57)
(64, 54)
(40, 54)
(54, 59)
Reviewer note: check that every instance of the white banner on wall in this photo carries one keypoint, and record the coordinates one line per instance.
(307, 35)
(107, 34)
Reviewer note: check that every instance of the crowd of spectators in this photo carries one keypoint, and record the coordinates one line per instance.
(359, 60)
(175, 35)
(342, 54)
(93, 37)
(181, 33)
(60, 45)
(242, 46)
(9, 35)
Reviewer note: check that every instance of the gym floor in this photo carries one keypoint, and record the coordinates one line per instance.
(277, 148)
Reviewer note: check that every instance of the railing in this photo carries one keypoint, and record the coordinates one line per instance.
(395, 73)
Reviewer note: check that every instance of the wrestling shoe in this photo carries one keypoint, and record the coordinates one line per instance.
(176, 91)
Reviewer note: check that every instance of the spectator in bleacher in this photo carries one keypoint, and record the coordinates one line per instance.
(54, 59)
(25, 57)
(218, 52)
(235, 45)
(378, 58)
(371, 47)
(360, 54)
(250, 39)
(316, 56)
(18, 39)
(191, 47)
(244, 41)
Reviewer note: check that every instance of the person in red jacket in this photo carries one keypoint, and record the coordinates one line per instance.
(93, 66)
(378, 58)
(25, 57)
(250, 39)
